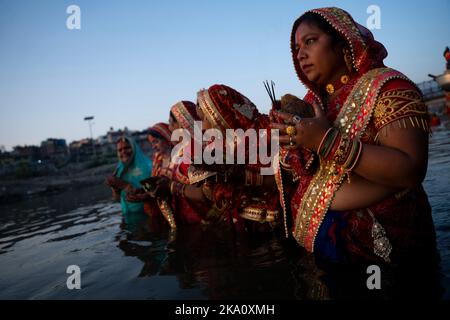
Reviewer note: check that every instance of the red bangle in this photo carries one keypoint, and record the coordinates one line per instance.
(323, 138)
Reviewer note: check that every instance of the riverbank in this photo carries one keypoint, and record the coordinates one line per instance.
(12, 190)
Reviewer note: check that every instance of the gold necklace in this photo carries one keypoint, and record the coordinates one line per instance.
(331, 89)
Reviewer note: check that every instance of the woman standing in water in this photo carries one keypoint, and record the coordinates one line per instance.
(133, 167)
(159, 138)
(184, 212)
(235, 194)
(369, 136)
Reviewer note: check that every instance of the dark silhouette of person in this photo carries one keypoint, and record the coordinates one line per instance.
(447, 57)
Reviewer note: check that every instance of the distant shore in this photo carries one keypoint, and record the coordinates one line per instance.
(12, 190)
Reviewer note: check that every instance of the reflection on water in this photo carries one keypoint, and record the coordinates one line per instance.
(437, 184)
(41, 237)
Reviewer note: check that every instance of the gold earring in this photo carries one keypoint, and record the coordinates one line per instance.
(348, 59)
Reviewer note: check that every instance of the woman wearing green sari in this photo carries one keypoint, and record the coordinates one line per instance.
(133, 167)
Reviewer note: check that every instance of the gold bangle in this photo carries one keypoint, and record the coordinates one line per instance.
(358, 155)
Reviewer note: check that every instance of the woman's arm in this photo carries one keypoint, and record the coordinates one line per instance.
(360, 193)
(115, 194)
(400, 120)
(116, 185)
(399, 161)
(194, 193)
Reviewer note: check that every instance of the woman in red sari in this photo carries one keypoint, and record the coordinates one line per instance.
(235, 193)
(159, 137)
(182, 116)
(168, 189)
(369, 137)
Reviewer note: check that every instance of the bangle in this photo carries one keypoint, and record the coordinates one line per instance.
(341, 149)
(334, 142)
(323, 138)
(352, 152)
(177, 188)
(346, 153)
(328, 143)
(358, 155)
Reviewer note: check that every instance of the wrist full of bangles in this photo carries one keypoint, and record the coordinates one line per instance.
(340, 148)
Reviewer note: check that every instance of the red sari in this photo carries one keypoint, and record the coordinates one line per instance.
(161, 160)
(185, 211)
(238, 194)
(161, 168)
(398, 227)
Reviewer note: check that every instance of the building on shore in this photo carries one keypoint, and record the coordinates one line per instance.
(54, 153)
(55, 150)
(26, 153)
(108, 142)
(81, 150)
(434, 97)
(26, 161)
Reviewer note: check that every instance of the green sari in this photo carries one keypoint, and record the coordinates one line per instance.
(137, 169)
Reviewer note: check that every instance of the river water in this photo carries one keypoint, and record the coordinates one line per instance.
(41, 237)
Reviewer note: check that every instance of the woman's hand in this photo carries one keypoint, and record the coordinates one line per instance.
(157, 187)
(115, 194)
(163, 187)
(117, 183)
(136, 195)
(305, 132)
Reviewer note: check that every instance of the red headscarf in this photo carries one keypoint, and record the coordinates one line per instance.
(367, 53)
(226, 108)
(185, 113)
(163, 130)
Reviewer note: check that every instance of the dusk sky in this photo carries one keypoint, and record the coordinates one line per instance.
(132, 60)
